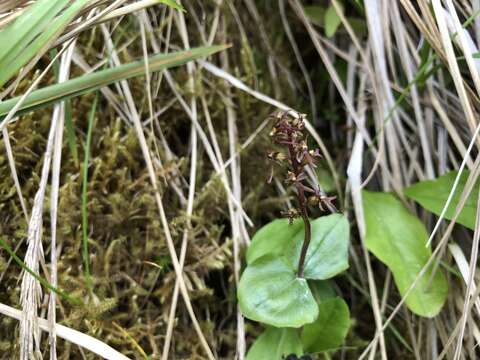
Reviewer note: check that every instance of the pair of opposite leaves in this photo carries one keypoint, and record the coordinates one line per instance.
(394, 235)
(270, 291)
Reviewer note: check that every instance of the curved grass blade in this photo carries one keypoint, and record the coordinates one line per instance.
(31, 34)
(71, 299)
(36, 41)
(16, 37)
(96, 80)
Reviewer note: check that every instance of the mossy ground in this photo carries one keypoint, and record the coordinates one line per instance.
(125, 234)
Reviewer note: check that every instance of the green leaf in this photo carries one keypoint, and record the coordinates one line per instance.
(433, 194)
(173, 4)
(359, 4)
(424, 54)
(17, 35)
(71, 137)
(331, 327)
(25, 48)
(317, 14)
(332, 21)
(276, 344)
(322, 290)
(273, 238)
(93, 81)
(327, 254)
(270, 292)
(31, 33)
(398, 239)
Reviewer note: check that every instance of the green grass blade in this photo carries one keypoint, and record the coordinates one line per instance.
(70, 129)
(71, 137)
(91, 82)
(41, 280)
(39, 26)
(86, 262)
(14, 61)
(26, 27)
(173, 4)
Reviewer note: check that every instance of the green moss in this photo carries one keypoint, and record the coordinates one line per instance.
(125, 233)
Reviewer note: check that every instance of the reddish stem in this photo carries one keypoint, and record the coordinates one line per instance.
(298, 169)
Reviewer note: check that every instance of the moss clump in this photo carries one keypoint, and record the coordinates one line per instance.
(133, 277)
